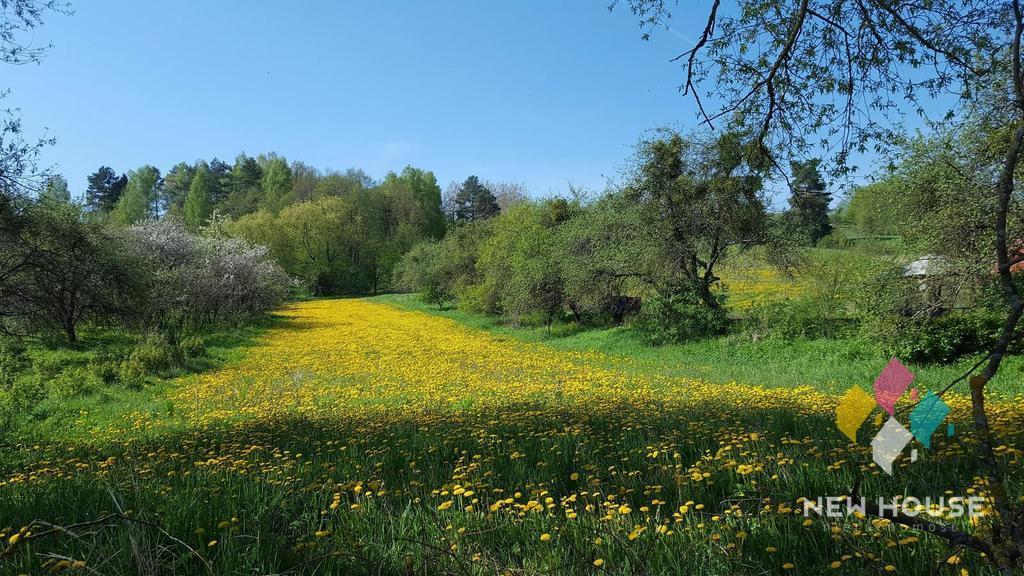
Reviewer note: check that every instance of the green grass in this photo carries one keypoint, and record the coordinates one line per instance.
(830, 365)
(260, 488)
(59, 416)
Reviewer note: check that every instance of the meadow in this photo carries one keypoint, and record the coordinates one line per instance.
(373, 436)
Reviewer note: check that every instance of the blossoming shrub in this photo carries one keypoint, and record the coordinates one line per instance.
(193, 280)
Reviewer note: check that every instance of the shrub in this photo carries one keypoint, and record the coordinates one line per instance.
(799, 318)
(152, 356)
(74, 382)
(193, 280)
(679, 317)
(12, 360)
(192, 347)
(941, 339)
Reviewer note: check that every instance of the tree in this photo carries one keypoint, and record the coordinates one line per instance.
(175, 188)
(55, 191)
(808, 201)
(702, 200)
(19, 172)
(344, 183)
(521, 277)
(192, 280)
(507, 194)
(244, 189)
(304, 181)
(139, 198)
(605, 251)
(276, 184)
(803, 72)
(20, 176)
(198, 203)
(474, 201)
(73, 271)
(424, 269)
(105, 189)
(220, 180)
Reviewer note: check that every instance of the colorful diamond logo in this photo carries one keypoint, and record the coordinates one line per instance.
(889, 443)
(891, 384)
(926, 417)
(853, 409)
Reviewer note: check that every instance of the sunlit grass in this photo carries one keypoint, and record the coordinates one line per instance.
(355, 437)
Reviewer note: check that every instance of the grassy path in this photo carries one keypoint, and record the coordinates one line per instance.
(359, 438)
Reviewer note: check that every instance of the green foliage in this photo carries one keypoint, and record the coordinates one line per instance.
(423, 269)
(153, 355)
(679, 316)
(244, 187)
(520, 266)
(276, 184)
(105, 189)
(12, 360)
(350, 239)
(474, 202)
(174, 192)
(55, 191)
(198, 204)
(139, 198)
(941, 339)
(879, 208)
(807, 217)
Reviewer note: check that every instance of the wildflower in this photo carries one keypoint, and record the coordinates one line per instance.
(599, 562)
(545, 537)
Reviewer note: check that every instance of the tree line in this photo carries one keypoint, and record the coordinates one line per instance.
(690, 203)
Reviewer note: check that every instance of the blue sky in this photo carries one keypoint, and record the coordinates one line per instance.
(545, 93)
(539, 92)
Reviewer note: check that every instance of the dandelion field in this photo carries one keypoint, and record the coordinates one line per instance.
(358, 438)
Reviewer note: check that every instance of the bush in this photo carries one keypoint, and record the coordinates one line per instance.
(152, 356)
(941, 339)
(74, 382)
(799, 318)
(193, 280)
(679, 317)
(193, 347)
(12, 361)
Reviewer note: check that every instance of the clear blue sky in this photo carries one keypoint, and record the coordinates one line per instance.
(539, 92)
(545, 93)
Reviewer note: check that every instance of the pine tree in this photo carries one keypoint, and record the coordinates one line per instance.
(105, 189)
(475, 202)
(198, 203)
(808, 204)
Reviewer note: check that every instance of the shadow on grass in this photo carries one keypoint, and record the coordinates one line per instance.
(261, 495)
